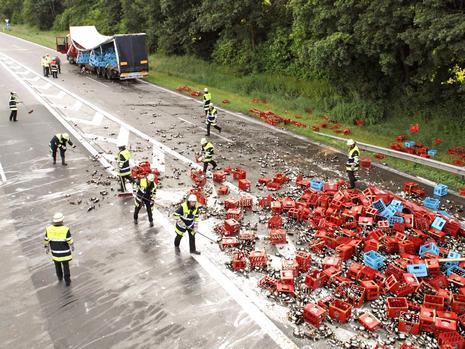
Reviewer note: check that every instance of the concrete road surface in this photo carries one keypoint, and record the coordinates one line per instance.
(129, 287)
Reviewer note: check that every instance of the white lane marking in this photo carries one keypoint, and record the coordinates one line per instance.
(44, 87)
(76, 106)
(96, 120)
(204, 129)
(60, 95)
(158, 159)
(98, 82)
(2, 173)
(247, 302)
(34, 79)
(103, 139)
(70, 129)
(123, 136)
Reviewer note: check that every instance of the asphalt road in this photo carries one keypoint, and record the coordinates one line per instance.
(129, 287)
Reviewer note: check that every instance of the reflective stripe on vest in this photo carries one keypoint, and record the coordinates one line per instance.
(353, 158)
(123, 165)
(189, 218)
(208, 152)
(57, 238)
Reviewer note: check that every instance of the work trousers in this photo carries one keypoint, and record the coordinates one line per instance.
(148, 207)
(215, 126)
(62, 269)
(13, 115)
(352, 179)
(54, 149)
(205, 165)
(177, 240)
(122, 182)
(46, 71)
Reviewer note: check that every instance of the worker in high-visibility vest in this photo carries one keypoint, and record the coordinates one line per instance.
(207, 98)
(124, 169)
(353, 160)
(146, 189)
(211, 119)
(59, 241)
(59, 142)
(13, 104)
(207, 154)
(45, 65)
(187, 219)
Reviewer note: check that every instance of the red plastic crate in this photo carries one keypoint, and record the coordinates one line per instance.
(365, 162)
(276, 207)
(232, 226)
(239, 174)
(396, 306)
(244, 184)
(219, 177)
(275, 222)
(372, 290)
(223, 190)
(409, 323)
(314, 314)
(304, 260)
(427, 319)
(264, 180)
(234, 213)
(228, 242)
(280, 178)
(369, 321)
(246, 201)
(340, 310)
(273, 186)
(458, 303)
(247, 235)
(287, 276)
(281, 287)
(433, 302)
(258, 259)
(268, 283)
(331, 261)
(452, 340)
(239, 261)
(231, 203)
(444, 325)
(316, 279)
(277, 236)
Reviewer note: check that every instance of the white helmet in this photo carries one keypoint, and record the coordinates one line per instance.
(203, 141)
(210, 105)
(205, 90)
(150, 177)
(192, 198)
(58, 217)
(350, 142)
(65, 136)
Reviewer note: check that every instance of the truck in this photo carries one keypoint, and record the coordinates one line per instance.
(121, 56)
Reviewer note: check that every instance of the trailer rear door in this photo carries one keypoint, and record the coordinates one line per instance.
(132, 53)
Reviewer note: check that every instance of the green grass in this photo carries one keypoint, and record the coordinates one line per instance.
(291, 97)
(46, 38)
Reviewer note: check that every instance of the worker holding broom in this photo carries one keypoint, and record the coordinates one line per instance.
(146, 189)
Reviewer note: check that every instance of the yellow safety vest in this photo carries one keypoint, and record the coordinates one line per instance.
(59, 238)
(123, 162)
(353, 159)
(188, 217)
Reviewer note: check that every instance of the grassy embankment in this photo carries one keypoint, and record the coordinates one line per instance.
(288, 97)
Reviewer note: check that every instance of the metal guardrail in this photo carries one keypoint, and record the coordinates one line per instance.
(404, 156)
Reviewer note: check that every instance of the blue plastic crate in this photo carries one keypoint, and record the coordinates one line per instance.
(451, 254)
(396, 205)
(432, 153)
(395, 219)
(438, 223)
(430, 247)
(431, 203)
(379, 205)
(317, 184)
(83, 57)
(388, 212)
(419, 270)
(444, 213)
(373, 259)
(409, 144)
(455, 269)
(440, 189)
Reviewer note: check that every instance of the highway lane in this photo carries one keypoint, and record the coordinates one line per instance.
(129, 287)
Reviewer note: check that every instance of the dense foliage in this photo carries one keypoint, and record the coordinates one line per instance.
(374, 51)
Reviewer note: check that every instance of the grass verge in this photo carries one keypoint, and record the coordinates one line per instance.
(304, 101)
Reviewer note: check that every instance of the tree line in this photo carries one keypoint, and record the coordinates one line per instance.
(378, 49)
